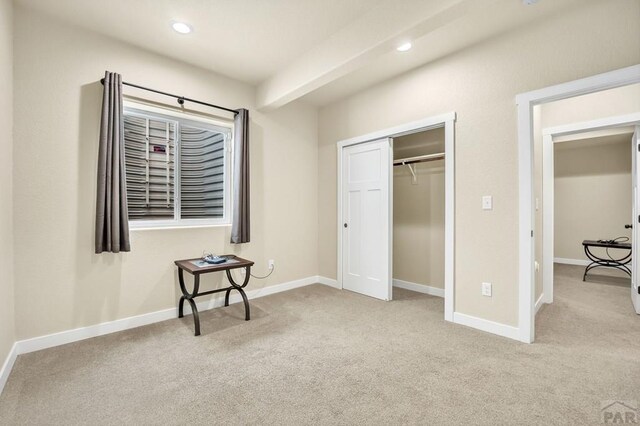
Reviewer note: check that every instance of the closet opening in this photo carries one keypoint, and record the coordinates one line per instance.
(395, 210)
(419, 212)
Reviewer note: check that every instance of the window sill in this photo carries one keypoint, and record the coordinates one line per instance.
(174, 227)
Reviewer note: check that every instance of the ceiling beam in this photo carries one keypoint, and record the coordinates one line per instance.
(380, 30)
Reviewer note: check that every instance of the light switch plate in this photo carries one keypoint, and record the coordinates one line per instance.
(487, 202)
(486, 289)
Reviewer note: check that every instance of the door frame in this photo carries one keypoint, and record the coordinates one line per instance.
(548, 177)
(526, 236)
(447, 122)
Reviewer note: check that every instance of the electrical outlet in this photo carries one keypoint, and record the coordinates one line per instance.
(272, 263)
(486, 289)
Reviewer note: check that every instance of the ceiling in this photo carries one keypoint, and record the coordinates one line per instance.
(248, 40)
(319, 50)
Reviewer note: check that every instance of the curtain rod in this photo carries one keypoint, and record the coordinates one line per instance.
(180, 99)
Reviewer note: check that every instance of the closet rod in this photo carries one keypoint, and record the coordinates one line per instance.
(418, 159)
(180, 99)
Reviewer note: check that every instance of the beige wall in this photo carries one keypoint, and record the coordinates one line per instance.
(480, 84)
(418, 211)
(608, 103)
(7, 328)
(592, 192)
(63, 285)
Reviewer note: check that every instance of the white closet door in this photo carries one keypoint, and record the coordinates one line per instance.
(635, 235)
(366, 223)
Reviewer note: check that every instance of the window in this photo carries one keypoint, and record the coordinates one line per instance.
(177, 168)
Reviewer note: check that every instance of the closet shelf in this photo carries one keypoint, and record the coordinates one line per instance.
(418, 159)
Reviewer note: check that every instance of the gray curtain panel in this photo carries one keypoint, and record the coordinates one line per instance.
(112, 218)
(240, 225)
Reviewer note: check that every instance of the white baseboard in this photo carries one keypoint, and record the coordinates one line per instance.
(235, 297)
(70, 336)
(579, 262)
(486, 325)
(328, 281)
(420, 288)
(8, 366)
(539, 302)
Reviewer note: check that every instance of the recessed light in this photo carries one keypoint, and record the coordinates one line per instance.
(182, 28)
(404, 47)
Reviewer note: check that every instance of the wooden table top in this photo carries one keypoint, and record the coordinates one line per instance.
(237, 262)
(593, 243)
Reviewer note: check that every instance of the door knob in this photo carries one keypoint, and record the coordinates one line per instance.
(345, 225)
(628, 226)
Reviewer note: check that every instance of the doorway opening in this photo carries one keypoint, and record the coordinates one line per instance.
(590, 189)
(588, 211)
(530, 228)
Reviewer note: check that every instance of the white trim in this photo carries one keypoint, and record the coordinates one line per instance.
(69, 336)
(548, 216)
(180, 118)
(146, 225)
(328, 282)
(419, 288)
(611, 131)
(596, 83)
(526, 225)
(525, 103)
(485, 325)
(77, 334)
(444, 120)
(339, 219)
(218, 302)
(578, 262)
(8, 366)
(449, 214)
(401, 130)
(592, 125)
(540, 302)
(164, 228)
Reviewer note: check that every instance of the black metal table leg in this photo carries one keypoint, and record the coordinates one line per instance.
(596, 261)
(226, 296)
(189, 298)
(235, 286)
(196, 316)
(247, 314)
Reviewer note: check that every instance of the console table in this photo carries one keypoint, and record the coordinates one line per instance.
(604, 262)
(190, 266)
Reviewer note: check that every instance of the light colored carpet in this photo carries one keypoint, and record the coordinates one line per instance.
(317, 355)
